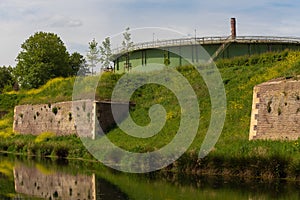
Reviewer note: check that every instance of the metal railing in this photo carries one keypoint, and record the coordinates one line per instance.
(208, 40)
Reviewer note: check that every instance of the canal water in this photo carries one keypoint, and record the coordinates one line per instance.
(36, 178)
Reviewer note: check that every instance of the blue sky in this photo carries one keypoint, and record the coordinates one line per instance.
(79, 21)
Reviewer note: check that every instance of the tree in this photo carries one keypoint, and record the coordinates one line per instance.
(127, 45)
(7, 80)
(93, 56)
(78, 64)
(106, 53)
(43, 57)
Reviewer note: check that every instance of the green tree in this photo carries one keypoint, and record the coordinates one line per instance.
(93, 55)
(6, 78)
(106, 53)
(78, 64)
(43, 57)
(127, 46)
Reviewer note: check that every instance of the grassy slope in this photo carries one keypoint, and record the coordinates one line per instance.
(240, 75)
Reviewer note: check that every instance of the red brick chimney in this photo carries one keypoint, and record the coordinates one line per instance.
(233, 28)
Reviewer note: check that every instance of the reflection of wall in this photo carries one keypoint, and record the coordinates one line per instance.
(31, 181)
(276, 110)
(67, 118)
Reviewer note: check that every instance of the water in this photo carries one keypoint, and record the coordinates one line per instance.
(23, 178)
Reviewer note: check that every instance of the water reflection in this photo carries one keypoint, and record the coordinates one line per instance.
(28, 179)
(41, 182)
(53, 185)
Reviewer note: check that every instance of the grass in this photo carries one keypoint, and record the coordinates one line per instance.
(233, 150)
(55, 90)
(45, 146)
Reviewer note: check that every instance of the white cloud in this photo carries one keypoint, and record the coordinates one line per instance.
(63, 21)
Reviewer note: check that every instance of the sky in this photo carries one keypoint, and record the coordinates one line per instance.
(77, 22)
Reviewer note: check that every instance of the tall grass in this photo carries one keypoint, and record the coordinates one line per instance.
(55, 90)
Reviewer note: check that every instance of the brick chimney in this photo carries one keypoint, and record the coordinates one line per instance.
(233, 28)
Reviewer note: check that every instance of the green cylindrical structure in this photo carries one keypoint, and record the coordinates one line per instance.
(167, 52)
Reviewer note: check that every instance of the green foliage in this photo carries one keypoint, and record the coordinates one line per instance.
(6, 79)
(127, 43)
(9, 101)
(106, 85)
(55, 90)
(265, 58)
(106, 53)
(93, 55)
(127, 46)
(43, 137)
(43, 57)
(45, 145)
(78, 65)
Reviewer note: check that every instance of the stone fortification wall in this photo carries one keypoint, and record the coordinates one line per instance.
(58, 118)
(66, 118)
(276, 110)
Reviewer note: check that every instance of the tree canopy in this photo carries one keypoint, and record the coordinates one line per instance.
(127, 45)
(43, 57)
(78, 64)
(6, 78)
(93, 55)
(106, 53)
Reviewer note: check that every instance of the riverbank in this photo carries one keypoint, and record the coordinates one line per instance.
(277, 166)
(233, 154)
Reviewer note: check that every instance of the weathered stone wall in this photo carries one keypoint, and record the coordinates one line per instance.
(276, 110)
(55, 185)
(57, 118)
(66, 118)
